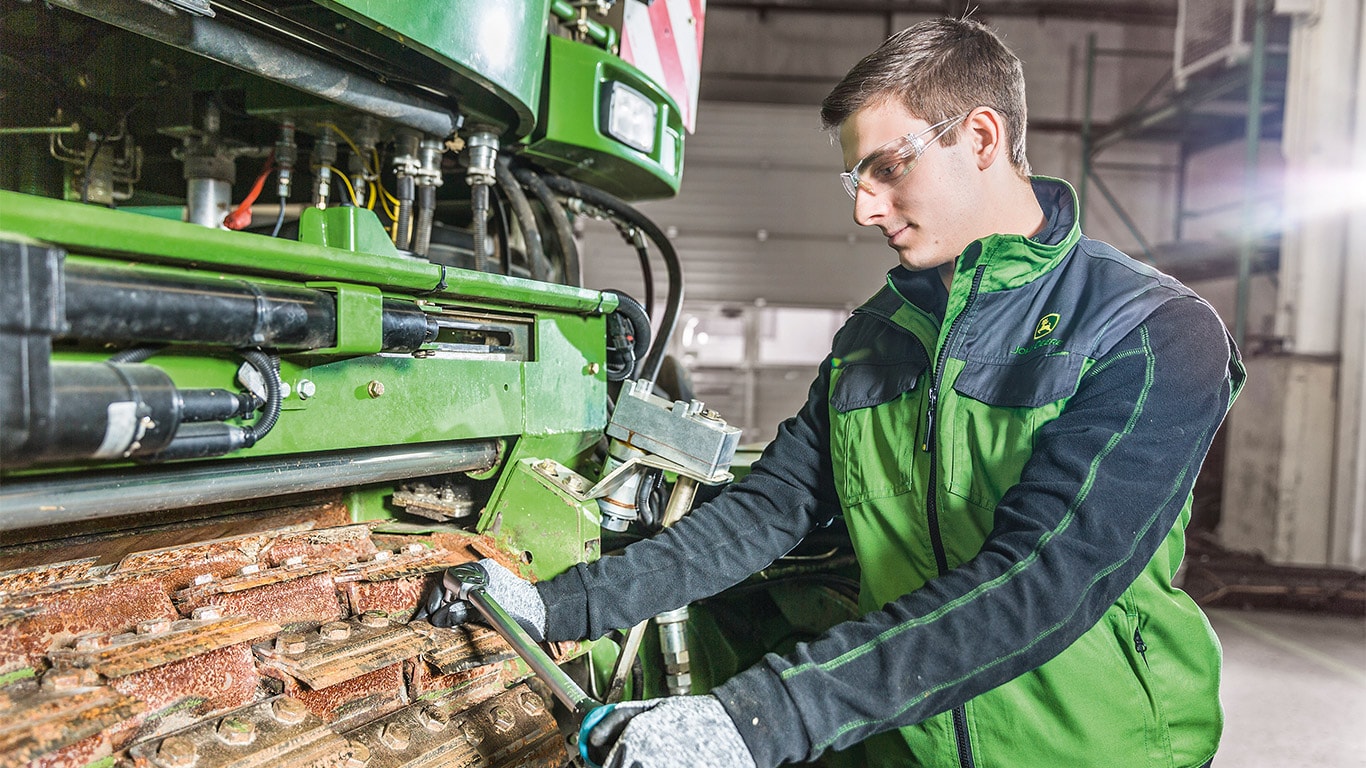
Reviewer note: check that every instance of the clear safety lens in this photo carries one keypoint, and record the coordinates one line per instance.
(887, 165)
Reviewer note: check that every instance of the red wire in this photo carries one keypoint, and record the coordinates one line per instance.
(240, 218)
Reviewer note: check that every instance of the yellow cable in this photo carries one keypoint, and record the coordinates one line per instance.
(350, 143)
(350, 189)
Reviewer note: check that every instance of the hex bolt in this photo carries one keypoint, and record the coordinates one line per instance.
(306, 389)
(289, 711)
(375, 619)
(434, 718)
(334, 630)
(69, 679)
(382, 556)
(291, 644)
(593, 369)
(375, 388)
(206, 613)
(532, 703)
(154, 626)
(395, 736)
(413, 549)
(176, 752)
(248, 570)
(360, 754)
(473, 736)
(290, 562)
(236, 731)
(503, 719)
(92, 642)
(202, 579)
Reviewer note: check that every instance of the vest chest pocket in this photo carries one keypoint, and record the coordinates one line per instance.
(877, 403)
(991, 421)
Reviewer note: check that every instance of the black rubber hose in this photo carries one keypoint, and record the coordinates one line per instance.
(526, 220)
(564, 231)
(635, 218)
(426, 211)
(646, 273)
(640, 323)
(479, 224)
(406, 188)
(269, 368)
(136, 354)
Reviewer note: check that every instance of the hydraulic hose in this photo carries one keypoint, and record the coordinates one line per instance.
(406, 186)
(426, 210)
(541, 268)
(635, 314)
(268, 367)
(479, 208)
(635, 218)
(564, 232)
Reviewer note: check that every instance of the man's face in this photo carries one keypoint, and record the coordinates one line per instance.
(927, 214)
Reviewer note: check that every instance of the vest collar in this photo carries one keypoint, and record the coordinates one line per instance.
(1013, 260)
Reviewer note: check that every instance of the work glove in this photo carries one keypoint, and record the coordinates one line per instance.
(677, 732)
(442, 606)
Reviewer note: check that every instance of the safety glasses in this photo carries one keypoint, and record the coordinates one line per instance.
(886, 166)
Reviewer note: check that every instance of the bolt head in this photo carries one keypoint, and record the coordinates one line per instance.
(334, 630)
(248, 570)
(375, 619)
(289, 711)
(593, 369)
(532, 703)
(434, 718)
(360, 754)
(473, 736)
(503, 719)
(291, 644)
(375, 388)
(153, 626)
(395, 736)
(206, 613)
(307, 389)
(202, 579)
(236, 731)
(92, 642)
(176, 752)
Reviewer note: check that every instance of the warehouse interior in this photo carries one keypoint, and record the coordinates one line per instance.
(432, 198)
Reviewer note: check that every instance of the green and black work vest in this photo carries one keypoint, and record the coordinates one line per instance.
(927, 438)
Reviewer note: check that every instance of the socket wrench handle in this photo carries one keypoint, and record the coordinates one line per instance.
(469, 582)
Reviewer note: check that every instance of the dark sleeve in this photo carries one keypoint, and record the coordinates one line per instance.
(1106, 483)
(788, 492)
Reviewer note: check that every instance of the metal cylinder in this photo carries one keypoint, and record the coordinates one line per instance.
(673, 645)
(90, 495)
(207, 202)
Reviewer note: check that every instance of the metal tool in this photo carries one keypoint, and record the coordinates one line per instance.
(469, 582)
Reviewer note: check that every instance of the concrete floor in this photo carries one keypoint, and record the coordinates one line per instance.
(1294, 690)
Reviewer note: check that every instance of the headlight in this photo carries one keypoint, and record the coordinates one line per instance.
(631, 117)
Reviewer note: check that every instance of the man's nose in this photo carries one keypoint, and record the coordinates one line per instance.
(868, 208)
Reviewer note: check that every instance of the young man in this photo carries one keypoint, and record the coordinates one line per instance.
(1011, 428)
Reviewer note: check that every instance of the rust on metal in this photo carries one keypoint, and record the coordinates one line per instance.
(496, 733)
(123, 654)
(398, 597)
(461, 648)
(354, 701)
(303, 601)
(179, 693)
(371, 642)
(45, 719)
(254, 737)
(342, 544)
(39, 576)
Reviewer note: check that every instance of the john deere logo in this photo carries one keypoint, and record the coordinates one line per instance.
(1046, 325)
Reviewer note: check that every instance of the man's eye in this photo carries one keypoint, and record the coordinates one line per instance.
(885, 169)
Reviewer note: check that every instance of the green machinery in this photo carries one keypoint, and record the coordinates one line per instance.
(248, 418)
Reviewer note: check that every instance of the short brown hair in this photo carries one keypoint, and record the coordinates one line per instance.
(938, 69)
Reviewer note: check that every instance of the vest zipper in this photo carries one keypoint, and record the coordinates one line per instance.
(960, 714)
(1141, 647)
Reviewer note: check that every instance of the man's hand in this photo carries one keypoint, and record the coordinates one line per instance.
(678, 732)
(441, 607)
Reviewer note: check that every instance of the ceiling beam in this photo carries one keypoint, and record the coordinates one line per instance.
(1160, 13)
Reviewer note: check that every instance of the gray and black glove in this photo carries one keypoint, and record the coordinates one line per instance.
(677, 732)
(441, 607)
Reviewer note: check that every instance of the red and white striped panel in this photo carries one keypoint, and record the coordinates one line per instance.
(664, 39)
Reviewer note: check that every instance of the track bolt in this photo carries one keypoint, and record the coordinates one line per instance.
(202, 579)
(291, 644)
(434, 718)
(334, 630)
(473, 736)
(503, 719)
(176, 752)
(92, 642)
(532, 703)
(375, 619)
(154, 626)
(206, 613)
(289, 711)
(360, 754)
(395, 736)
(248, 570)
(236, 731)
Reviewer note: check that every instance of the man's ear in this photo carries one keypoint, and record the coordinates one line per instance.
(987, 136)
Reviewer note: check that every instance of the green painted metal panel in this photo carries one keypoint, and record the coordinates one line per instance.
(498, 46)
(570, 137)
(91, 228)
